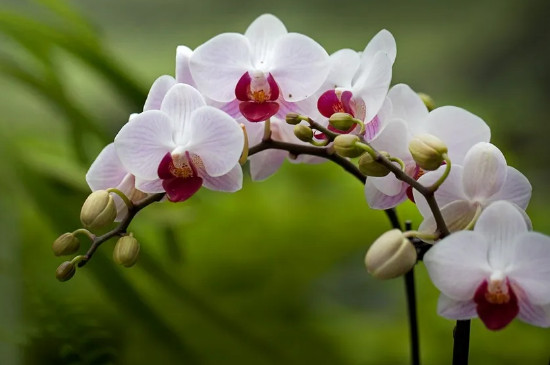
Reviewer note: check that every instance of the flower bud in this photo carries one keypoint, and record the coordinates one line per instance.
(66, 244)
(427, 151)
(303, 133)
(390, 256)
(65, 271)
(428, 101)
(341, 121)
(344, 144)
(126, 251)
(370, 167)
(293, 118)
(98, 210)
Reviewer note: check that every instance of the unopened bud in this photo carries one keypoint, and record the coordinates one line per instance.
(427, 151)
(98, 210)
(344, 144)
(390, 256)
(293, 118)
(66, 244)
(428, 101)
(370, 167)
(341, 121)
(303, 133)
(126, 251)
(65, 271)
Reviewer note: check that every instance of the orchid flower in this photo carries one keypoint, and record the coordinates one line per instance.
(483, 178)
(261, 70)
(184, 145)
(404, 116)
(498, 271)
(358, 82)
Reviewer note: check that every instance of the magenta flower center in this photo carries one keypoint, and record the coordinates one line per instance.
(497, 304)
(179, 174)
(257, 94)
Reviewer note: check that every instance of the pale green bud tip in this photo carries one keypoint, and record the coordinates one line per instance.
(370, 167)
(427, 151)
(65, 271)
(66, 244)
(390, 256)
(428, 101)
(126, 251)
(98, 210)
(303, 133)
(345, 145)
(293, 118)
(341, 121)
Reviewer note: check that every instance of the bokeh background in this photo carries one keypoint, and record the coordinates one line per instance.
(274, 273)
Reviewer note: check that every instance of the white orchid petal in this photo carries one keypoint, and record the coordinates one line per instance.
(537, 315)
(372, 84)
(299, 66)
(143, 142)
(457, 265)
(458, 128)
(393, 139)
(180, 102)
(266, 163)
(516, 189)
(183, 73)
(216, 138)
(457, 216)
(158, 91)
(456, 309)
(230, 182)
(408, 106)
(384, 42)
(530, 266)
(484, 171)
(263, 34)
(149, 186)
(448, 192)
(378, 200)
(106, 171)
(388, 185)
(343, 66)
(218, 64)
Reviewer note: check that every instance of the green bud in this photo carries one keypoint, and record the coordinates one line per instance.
(427, 151)
(66, 244)
(344, 144)
(304, 133)
(65, 271)
(293, 118)
(126, 251)
(390, 256)
(341, 121)
(370, 167)
(428, 101)
(98, 210)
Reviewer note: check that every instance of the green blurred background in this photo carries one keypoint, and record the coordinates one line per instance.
(274, 273)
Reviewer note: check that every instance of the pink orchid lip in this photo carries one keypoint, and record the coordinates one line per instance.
(258, 104)
(497, 304)
(331, 102)
(179, 183)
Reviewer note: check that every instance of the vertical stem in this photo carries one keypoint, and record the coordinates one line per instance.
(411, 311)
(461, 346)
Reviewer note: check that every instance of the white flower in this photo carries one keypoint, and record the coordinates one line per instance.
(260, 70)
(404, 116)
(498, 271)
(184, 145)
(358, 82)
(483, 178)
